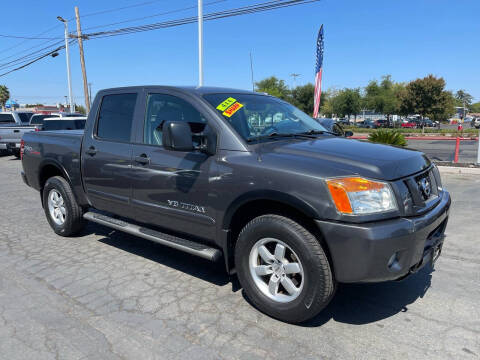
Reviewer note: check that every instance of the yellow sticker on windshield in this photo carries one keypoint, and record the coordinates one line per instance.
(232, 109)
(224, 105)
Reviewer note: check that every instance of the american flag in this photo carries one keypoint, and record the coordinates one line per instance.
(318, 73)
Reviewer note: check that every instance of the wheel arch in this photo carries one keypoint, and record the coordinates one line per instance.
(48, 169)
(257, 203)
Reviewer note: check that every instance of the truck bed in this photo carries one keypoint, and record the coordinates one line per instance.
(59, 148)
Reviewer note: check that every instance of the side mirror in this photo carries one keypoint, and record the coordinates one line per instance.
(209, 142)
(177, 136)
(348, 133)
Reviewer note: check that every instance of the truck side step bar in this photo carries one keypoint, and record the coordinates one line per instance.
(175, 242)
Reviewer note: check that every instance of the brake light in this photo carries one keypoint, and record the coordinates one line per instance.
(22, 148)
(37, 129)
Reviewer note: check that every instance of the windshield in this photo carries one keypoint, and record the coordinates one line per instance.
(254, 116)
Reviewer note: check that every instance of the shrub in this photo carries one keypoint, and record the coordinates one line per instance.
(385, 136)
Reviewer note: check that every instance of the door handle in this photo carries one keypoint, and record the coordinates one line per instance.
(142, 159)
(16, 131)
(91, 151)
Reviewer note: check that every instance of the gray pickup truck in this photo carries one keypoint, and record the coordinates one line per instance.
(248, 178)
(13, 124)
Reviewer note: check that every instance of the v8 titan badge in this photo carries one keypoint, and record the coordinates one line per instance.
(224, 105)
(232, 109)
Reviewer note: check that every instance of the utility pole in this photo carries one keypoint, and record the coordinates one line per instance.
(82, 60)
(67, 53)
(200, 43)
(294, 76)
(90, 92)
(251, 71)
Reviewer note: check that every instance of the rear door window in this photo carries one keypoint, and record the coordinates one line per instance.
(6, 119)
(116, 117)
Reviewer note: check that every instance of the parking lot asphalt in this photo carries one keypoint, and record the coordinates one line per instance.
(444, 150)
(106, 295)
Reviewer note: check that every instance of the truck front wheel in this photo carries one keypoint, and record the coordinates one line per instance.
(283, 269)
(63, 213)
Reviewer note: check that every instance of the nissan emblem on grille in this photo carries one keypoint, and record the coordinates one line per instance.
(425, 187)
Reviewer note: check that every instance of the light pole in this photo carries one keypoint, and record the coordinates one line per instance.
(70, 96)
(200, 43)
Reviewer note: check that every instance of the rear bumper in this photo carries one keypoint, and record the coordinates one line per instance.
(386, 250)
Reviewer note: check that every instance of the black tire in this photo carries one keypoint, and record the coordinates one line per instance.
(74, 221)
(319, 284)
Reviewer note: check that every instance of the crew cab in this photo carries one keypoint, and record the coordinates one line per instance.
(247, 179)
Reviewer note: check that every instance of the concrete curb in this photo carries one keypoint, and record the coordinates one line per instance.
(458, 170)
(364, 137)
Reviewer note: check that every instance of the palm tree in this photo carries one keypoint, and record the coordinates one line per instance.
(4, 96)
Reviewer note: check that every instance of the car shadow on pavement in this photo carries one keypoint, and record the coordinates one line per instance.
(175, 259)
(355, 304)
(359, 304)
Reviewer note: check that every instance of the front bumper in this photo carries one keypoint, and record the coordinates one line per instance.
(385, 250)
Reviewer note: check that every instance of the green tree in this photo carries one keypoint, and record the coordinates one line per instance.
(302, 97)
(80, 109)
(427, 97)
(383, 97)
(274, 87)
(347, 102)
(4, 96)
(475, 108)
(462, 98)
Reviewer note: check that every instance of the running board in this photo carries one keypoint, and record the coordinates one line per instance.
(175, 242)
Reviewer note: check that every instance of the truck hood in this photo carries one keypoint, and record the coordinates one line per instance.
(337, 156)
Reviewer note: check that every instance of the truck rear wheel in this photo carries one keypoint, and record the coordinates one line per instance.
(63, 213)
(283, 269)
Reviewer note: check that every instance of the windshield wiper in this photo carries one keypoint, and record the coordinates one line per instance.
(318, 132)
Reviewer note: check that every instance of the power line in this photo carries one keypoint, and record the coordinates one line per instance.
(27, 37)
(28, 56)
(30, 48)
(154, 15)
(35, 60)
(118, 9)
(37, 37)
(259, 7)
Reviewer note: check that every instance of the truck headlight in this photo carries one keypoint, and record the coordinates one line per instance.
(359, 196)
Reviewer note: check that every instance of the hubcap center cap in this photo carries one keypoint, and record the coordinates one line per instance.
(278, 269)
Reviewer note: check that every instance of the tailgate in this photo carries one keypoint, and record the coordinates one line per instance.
(13, 135)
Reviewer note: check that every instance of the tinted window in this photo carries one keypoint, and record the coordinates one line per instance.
(38, 119)
(162, 108)
(25, 117)
(6, 118)
(50, 125)
(116, 117)
(73, 115)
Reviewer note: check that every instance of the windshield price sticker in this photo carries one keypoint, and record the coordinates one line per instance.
(224, 105)
(232, 109)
